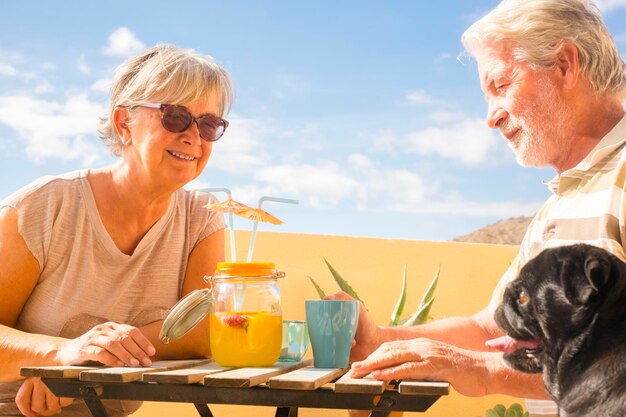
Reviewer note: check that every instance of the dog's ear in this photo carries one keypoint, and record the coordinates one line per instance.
(580, 286)
(597, 271)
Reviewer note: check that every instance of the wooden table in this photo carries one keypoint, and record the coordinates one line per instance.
(286, 386)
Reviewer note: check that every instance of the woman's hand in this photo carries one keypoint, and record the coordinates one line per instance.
(110, 344)
(367, 337)
(35, 399)
(426, 359)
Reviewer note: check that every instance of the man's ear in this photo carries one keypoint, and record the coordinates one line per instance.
(121, 118)
(567, 64)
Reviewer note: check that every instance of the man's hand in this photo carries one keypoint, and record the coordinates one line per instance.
(367, 336)
(426, 359)
(35, 399)
(110, 344)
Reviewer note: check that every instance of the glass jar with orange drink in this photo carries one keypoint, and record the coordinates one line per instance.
(245, 325)
(245, 316)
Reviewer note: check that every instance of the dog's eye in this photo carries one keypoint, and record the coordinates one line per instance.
(523, 298)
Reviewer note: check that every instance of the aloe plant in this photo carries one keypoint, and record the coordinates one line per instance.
(420, 315)
(515, 410)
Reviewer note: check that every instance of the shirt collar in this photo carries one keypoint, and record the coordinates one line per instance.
(611, 141)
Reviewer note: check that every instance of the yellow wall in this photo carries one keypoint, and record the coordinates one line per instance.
(374, 269)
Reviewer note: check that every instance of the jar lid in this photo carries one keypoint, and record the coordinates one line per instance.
(245, 269)
(185, 314)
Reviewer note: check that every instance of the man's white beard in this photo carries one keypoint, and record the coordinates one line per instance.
(543, 126)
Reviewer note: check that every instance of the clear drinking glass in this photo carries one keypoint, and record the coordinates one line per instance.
(295, 341)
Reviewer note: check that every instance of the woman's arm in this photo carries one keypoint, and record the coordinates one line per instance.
(108, 343)
(18, 276)
(195, 344)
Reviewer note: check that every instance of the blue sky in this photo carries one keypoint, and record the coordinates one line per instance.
(358, 109)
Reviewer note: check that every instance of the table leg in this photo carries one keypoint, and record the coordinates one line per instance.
(203, 410)
(96, 407)
(379, 413)
(286, 412)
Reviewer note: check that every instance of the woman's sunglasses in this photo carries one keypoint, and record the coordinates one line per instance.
(176, 119)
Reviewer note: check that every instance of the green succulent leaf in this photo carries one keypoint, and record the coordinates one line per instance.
(515, 410)
(319, 289)
(343, 284)
(492, 413)
(429, 294)
(420, 315)
(399, 308)
(500, 409)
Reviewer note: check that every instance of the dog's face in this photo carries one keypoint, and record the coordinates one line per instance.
(555, 299)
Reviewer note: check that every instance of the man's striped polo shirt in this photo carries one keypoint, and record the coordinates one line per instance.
(588, 204)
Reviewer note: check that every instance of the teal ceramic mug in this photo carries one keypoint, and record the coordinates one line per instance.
(332, 326)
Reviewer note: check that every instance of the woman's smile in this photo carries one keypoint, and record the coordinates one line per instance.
(182, 156)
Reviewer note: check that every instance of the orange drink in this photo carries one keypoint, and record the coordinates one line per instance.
(245, 338)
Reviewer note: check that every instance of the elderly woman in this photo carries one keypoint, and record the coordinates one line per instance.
(92, 260)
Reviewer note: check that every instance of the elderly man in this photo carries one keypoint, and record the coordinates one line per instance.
(554, 83)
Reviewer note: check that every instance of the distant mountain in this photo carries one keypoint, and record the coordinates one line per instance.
(504, 232)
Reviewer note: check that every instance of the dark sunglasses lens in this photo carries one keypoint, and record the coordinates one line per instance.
(175, 119)
(211, 127)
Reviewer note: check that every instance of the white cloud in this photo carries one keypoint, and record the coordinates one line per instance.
(7, 70)
(472, 208)
(123, 43)
(445, 116)
(83, 66)
(361, 183)
(290, 86)
(102, 85)
(419, 97)
(384, 141)
(51, 129)
(242, 149)
(390, 189)
(469, 141)
(11, 56)
(321, 184)
(606, 5)
(356, 180)
(403, 191)
(443, 57)
(43, 88)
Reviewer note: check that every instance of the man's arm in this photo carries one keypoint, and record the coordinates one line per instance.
(469, 332)
(470, 372)
(451, 349)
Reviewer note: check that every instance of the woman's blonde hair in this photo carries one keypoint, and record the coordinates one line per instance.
(537, 29)
(164, 74)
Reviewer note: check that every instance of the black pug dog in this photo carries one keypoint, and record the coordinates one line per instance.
(568, 310)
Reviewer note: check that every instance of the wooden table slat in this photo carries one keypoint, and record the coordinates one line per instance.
(184, 376)
(365, 385)
(306, 378)
(69, 371)
(409, 387)
(126, 374)
(250, 377)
